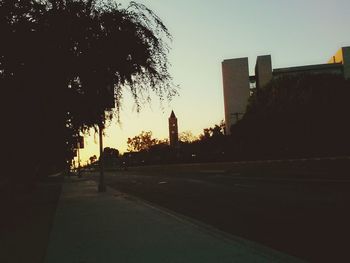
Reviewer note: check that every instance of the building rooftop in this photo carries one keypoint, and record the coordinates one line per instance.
(299, 69)
(307, 68)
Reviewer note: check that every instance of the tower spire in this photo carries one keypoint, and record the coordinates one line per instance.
(173, 130)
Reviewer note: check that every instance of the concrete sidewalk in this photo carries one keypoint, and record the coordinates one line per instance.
(92, 227)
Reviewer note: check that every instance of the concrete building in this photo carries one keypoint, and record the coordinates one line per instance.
(237, 83)
(263, 70)
(173, 130)
(342, 57)
(235, 74)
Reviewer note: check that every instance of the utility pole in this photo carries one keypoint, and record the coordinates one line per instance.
(101, 185)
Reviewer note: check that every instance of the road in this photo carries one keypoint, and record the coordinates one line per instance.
(300, 208)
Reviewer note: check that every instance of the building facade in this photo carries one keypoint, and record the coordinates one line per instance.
(238, 85)
(235, 74)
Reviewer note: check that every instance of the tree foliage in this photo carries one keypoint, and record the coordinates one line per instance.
(297, 115)
(110, 156)
(93, 159)
(187, 137)
(65, 63)
(213, 132)
(141, 142)
(110, 152)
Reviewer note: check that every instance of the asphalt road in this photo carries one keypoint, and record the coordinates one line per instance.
(300, 208)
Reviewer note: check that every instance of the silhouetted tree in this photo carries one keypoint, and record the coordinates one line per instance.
(187, 137)
(110, 156)
(302, 115)
(65, 63)
(141, 142)
(217, 130)
(93, 159)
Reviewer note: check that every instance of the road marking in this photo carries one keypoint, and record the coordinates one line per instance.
(294, 180)
(55, 175)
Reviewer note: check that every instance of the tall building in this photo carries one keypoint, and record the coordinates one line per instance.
(263, 70)
(235, 75)
(173, 130)
(238, 85)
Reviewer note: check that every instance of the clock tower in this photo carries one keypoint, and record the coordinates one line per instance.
(173, 131)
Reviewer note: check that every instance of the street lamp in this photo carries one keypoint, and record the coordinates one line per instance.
(79, 173)
(109, 103)
(101, 185)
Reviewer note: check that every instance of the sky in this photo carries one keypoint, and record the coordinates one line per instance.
(298, 32)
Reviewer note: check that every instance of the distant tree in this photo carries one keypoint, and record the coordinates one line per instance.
(141, 142)
(110, 156)
(217, 130)
(206, 134)
(187, 137)
(110, 152)
(93, 159)
(164, 141)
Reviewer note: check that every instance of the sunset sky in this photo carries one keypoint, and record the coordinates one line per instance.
(297, 32)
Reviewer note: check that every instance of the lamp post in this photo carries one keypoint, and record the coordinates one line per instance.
(101, 185)
(109, 103)
(79, 172)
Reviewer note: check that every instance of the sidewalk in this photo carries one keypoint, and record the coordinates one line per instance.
(92, 227)
(26, 218)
